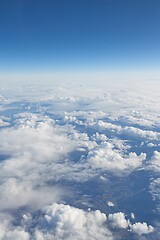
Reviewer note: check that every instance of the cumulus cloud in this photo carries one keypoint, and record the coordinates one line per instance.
(139, 118)
(155, 192)
(154, 162)
(31, 149)
(10, 232)
(73, 223)
(118, 220)
(141, 228)
(106, 157)
(99, 137)
(39, 142)
(59, 221)
(110, 204)
(139, 133)
(131, 131)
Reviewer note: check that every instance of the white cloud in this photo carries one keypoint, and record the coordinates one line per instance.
(102, 125)
(106, 157)
(4, 122)
(118, 220)
(141, 228)
(110, 204)
(139, 133)
(139, 118)
(32, 149)
(99, 137)
(59, 221)
(86, 115)
(127, 130)
(155, 188)
(17, 193)
(40, 142)
(16, 234)
(81, 139)
(154, 162)
(117, 129)
(155, 192)
(10, 232)
(66, 222)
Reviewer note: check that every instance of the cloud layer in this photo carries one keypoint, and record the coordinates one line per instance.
(62, 153)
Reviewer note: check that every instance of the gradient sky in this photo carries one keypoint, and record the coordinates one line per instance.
(68, 35)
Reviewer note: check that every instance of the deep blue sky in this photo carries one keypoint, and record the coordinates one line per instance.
(48, 35)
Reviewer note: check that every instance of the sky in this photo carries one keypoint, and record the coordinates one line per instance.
(79, 36)
(79, 161)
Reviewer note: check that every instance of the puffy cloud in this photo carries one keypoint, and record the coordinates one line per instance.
(102, 125)
(110, 204)
(155, 188)
(139, 118)
(131, 131)
(118, 220)
(139, 133)
(10, 232)
(106, 157)
(38, 148)
(40, 142)
(86, 115)
(4, 122)
(32, 148)
(99, 137)
(141, 228)
(66, 222)
(132, 216)
(16, 193)
(16, 234)
(155, 192)
(154, 162)
(59, 221)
